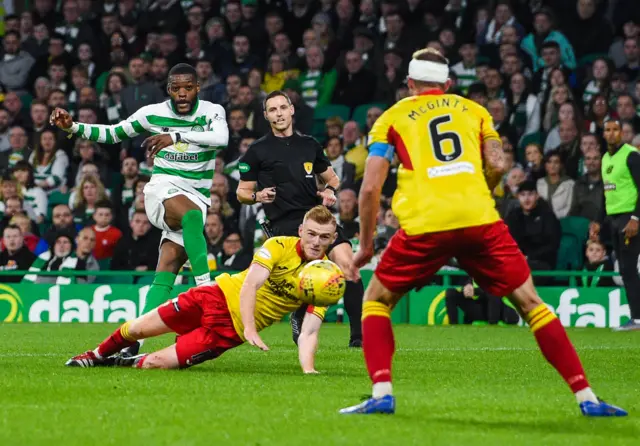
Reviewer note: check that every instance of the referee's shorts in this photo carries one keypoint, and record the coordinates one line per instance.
(289, 224)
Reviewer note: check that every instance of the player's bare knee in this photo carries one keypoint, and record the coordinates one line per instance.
(526, 298)
(156, 361)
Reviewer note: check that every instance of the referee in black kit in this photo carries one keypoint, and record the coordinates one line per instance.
(279, 170)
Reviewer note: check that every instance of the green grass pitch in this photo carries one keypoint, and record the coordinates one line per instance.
(454, 386)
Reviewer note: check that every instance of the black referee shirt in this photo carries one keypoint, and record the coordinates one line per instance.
(289, 164)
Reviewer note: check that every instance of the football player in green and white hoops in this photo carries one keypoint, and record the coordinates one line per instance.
(187, 133)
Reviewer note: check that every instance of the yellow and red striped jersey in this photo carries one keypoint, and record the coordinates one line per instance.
(438, 139)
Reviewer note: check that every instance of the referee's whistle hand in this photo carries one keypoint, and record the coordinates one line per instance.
(328, 197)
(267, 195)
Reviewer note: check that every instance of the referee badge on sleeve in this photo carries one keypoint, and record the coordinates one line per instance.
(308, 167)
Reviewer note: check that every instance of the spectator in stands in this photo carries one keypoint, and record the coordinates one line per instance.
(214, 230)
(599, 35)
(632, 55)
(106, 235)
(347, 215)
(498, 111)
(344, 169)
(356, 153)
(229, 206)
(599, 81)
(35, 196)
(598, 112)
(233, 257)
(597, 261)
(137, 250)
(567, 112)
(317, 85)
(523, 107)
(90, 192)
(626, 110)
(556, 187)
(477, 306)
(628, 132)
(569, 148)
(355, 85)
(18, 149)
(477, 92)
(14, 255)
(509, 201)
(49, 162)
(534, 168)
(26, 226)
(85, 261)
(535, 228)
(111, 98)
(10, 207)
(62, 221)
(60, 257)
(543, 32)
(86, 152)
(5, 121)
(15, 64)
(588, 190)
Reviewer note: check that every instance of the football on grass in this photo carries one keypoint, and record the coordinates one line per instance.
(321, 283)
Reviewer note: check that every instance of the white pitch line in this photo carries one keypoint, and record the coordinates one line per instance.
(435, 349)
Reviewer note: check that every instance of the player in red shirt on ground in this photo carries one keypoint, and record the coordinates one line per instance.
(451, 158)
(107, 236)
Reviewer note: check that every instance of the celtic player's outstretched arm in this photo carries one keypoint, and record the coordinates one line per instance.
(133, 126)
(218, 134)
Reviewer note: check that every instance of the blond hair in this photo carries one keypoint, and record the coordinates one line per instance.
(320, 215)
(102, 195)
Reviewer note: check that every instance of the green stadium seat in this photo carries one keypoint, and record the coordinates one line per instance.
(26, 99)
(570, 253)
(328, 111)
(57, 197)
(360, 113)
(576, 226)
(588, 59)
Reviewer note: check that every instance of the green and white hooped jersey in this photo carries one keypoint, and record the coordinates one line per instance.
(192, 160)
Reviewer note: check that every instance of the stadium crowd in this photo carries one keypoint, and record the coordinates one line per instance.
(550, 72)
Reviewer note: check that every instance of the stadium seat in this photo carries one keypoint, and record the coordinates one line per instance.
(328, 111)
(57, 197)
(360, 113)
(570, 253)
(321, 114)
(576, 226)
(588, 59)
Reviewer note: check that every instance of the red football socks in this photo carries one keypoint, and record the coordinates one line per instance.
(117, 341)
(556, 346)
(377, 340)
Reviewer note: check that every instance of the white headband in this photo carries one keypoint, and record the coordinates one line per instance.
(427, 71)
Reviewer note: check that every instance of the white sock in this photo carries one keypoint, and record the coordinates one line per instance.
(586, 395)
(98, 355)
(140, 341)
(203, 280)
(382, 389)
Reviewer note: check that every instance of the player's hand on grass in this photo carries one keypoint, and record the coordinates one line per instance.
(266, 195)
(61, 119)
(328, 197)
(156, 143)
(363, 256)
(631, 229)
(254, 338)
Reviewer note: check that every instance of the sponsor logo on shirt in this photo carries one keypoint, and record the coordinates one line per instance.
(450, 169)
(181, 156)
(264, 253)
(244, 167)
(609, 187)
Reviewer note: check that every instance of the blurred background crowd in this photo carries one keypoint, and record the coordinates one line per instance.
(550, 72)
